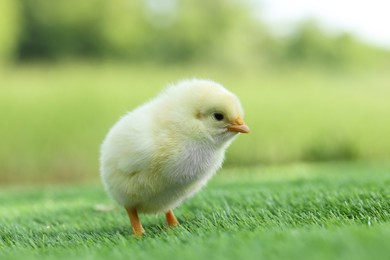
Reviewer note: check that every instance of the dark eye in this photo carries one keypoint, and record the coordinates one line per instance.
(218, 116)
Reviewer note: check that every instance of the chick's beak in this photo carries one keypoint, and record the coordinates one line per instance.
(238, 126)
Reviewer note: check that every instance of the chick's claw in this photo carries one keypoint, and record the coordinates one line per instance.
(138, 233)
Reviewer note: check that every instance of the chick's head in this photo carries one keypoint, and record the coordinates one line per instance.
(205, 111)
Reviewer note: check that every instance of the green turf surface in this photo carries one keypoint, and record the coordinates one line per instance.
(329, 211)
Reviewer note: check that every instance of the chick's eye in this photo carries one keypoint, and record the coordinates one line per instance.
(218, 116)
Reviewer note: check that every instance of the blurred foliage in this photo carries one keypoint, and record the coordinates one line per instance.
(310, 44)
(9, 29)
(330, 149)
(166, 31)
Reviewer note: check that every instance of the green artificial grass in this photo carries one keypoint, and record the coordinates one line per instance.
(324, 211)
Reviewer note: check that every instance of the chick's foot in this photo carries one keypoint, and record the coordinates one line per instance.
(137, 228)
(171, 219)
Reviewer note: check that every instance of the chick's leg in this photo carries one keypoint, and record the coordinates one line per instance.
(171, 219)
(138, 230)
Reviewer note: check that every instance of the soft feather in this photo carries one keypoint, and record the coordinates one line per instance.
(166, 150)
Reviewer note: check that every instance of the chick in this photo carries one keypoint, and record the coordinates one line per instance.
(166, 150)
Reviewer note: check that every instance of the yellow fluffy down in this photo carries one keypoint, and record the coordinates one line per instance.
(166, 150)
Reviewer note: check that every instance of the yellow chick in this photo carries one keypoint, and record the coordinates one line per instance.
(166, 150)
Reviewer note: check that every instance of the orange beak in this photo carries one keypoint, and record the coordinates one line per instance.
(238, 126)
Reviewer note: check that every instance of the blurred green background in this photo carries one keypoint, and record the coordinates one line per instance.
(70, 69)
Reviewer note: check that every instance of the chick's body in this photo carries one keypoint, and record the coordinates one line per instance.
(161, 153)
(147, 168)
